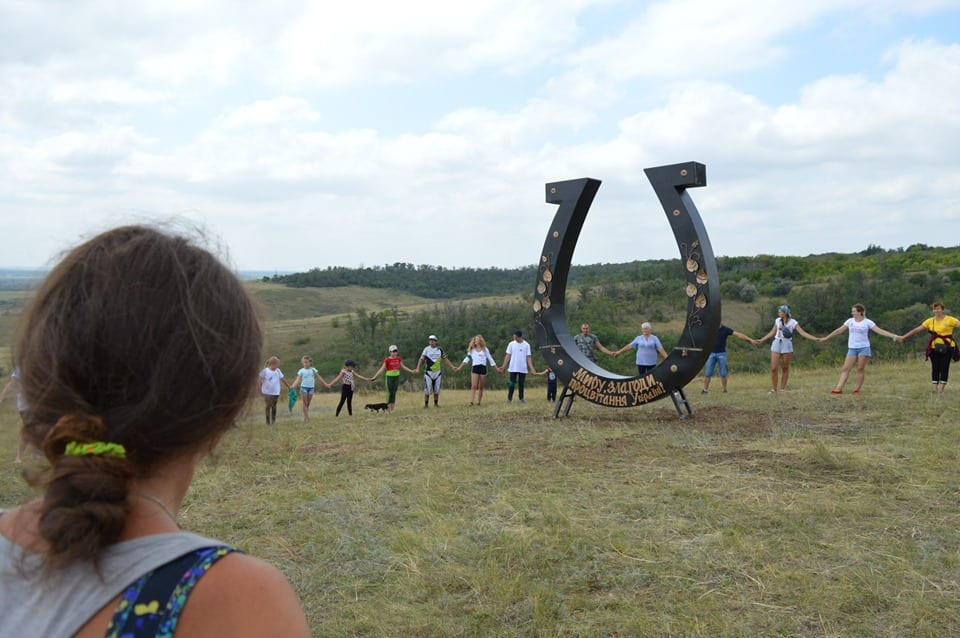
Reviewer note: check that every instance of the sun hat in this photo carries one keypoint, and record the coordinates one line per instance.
(392, 348)
(432, 338)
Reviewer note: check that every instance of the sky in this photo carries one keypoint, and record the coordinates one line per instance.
(304, 135)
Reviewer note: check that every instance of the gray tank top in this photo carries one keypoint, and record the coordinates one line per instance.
(59, 605)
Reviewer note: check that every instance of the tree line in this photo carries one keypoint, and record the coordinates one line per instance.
(897, 287)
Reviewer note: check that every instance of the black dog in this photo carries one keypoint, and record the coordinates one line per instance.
(376, 407)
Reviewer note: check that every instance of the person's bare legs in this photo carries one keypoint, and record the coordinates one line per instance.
(774, 368)
(785, 369)
(305, 405)
(845, 373)
(861, 372)
(474, 382)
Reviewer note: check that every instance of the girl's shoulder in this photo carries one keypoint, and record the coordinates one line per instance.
(228, 597)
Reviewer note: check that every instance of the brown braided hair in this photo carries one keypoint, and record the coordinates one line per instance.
(137, 337)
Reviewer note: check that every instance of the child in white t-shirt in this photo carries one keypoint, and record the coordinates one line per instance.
(270, 379)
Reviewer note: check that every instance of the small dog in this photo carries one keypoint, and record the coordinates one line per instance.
(377, 407)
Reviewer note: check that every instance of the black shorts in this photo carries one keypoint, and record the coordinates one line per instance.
(479, 369)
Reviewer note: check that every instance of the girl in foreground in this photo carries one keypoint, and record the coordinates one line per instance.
(136, 355)
(858, 346)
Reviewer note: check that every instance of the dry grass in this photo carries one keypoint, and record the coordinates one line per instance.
(792, 515)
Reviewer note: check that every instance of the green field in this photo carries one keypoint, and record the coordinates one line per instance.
(797, 514)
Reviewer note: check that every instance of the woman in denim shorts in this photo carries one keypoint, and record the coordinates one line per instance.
(781, 350)
(858, 346)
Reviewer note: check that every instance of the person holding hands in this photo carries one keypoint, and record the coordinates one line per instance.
(858, 346)
(391, 368)
(478, 356)
(518, 362)
(781, 349)
(648, 346)
(431, 357)
(941, 347)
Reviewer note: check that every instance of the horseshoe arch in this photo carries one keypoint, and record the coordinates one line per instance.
(585, 378)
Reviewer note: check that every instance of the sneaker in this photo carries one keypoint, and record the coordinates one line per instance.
(522, 401)
(704, 392)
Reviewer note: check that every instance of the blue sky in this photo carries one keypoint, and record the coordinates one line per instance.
(308, 134)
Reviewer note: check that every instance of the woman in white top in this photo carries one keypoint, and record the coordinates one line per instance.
(858, 346)
(781, 350)
(480, 359)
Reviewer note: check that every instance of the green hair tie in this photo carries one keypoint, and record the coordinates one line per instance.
(95, 448)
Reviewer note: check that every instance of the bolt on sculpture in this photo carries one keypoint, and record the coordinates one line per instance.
(584, 378)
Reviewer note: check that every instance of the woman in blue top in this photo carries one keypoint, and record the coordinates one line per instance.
(647, 346)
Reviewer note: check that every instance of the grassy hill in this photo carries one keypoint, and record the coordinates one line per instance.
(797, 514)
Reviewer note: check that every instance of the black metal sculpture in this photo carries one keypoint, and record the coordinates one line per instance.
(584, 378)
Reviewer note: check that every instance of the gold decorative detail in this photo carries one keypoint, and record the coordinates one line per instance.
(546, 302)
(559, 362)
(702, 277)
(701, 301)
(556, 234)
(536, 306)
(542, 288)
(683, 172)
(553, 191)
(692, 265)
(691, 290)
(673, 368)
(543, 259)
(676, 213)
(548, 276)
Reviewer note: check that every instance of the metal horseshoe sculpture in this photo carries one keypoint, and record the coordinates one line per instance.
(584, 378)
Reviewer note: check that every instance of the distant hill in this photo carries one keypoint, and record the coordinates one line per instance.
(744, 277)
(20, 278)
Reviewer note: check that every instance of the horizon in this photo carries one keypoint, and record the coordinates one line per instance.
(260, 272)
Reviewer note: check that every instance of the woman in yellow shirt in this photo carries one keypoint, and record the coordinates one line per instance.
(942, 345)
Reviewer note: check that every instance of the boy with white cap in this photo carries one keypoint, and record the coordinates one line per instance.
(431, 358)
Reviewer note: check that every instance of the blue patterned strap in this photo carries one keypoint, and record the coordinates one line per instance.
(151, 606)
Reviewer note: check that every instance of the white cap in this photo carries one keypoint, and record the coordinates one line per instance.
(432, 338)
(392, 348)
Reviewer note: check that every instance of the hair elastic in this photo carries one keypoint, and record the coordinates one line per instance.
(95, 448)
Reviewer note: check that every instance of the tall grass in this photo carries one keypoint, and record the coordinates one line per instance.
(797, 514)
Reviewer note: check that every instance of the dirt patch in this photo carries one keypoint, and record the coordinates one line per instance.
(728, 420)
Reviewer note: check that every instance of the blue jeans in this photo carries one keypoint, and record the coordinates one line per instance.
(716, 358)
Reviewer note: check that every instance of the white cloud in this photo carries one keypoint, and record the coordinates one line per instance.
(174, 109)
